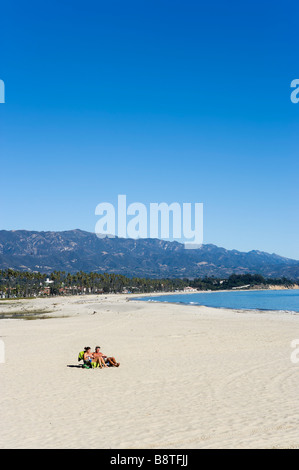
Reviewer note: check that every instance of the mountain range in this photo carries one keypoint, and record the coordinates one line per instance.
(76, 250)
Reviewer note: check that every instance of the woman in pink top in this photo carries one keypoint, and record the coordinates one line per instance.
(89, 357)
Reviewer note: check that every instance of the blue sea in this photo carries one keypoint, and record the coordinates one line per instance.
(280, 300)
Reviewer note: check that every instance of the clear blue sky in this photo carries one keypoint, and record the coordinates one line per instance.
(160, 100)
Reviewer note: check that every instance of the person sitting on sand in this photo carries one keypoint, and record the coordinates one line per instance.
(107, 359)
(89, 358)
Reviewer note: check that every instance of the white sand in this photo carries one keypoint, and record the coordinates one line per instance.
(190, 377)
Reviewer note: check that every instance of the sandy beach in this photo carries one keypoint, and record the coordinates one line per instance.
(189, 376)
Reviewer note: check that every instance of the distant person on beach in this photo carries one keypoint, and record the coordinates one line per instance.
(107, 359)
(89, 358)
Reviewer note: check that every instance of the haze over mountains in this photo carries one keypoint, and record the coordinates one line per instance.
(76, 250)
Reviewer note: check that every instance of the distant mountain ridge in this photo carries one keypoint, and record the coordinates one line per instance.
(76, 250)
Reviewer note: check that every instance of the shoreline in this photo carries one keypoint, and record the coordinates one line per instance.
(234, 289)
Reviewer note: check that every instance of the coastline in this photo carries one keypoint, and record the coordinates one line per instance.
(195, 291)
(39, 304)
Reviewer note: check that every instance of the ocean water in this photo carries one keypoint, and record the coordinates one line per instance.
(281, 300)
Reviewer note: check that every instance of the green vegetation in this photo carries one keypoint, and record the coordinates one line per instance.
(18, 284)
